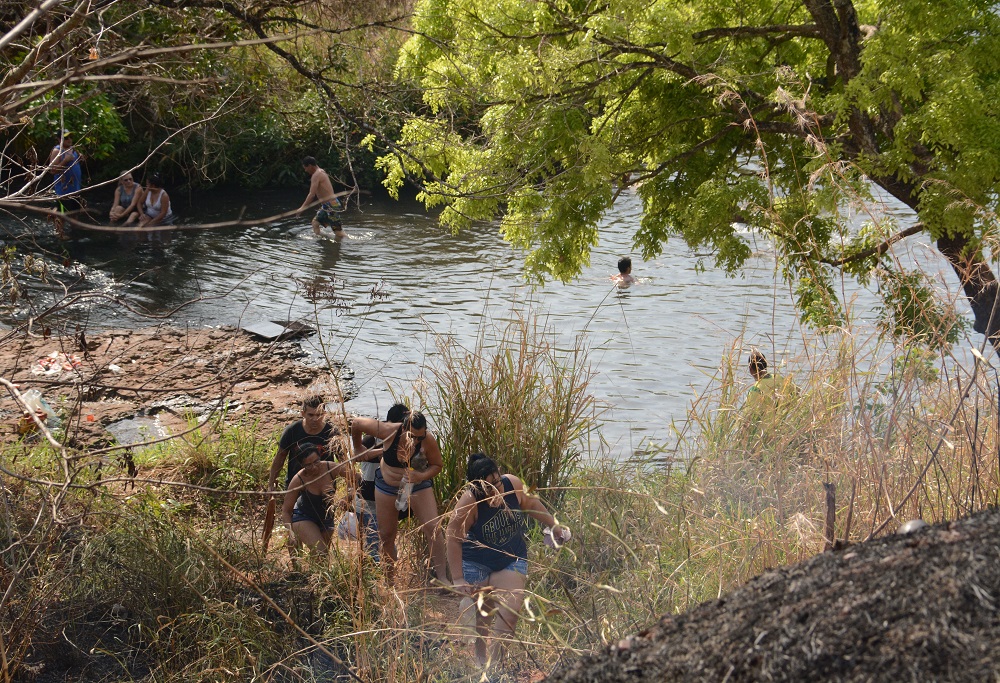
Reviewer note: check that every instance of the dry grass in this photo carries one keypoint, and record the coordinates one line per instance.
(899, 433)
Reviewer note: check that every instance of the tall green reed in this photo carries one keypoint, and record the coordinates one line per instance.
(516, 396)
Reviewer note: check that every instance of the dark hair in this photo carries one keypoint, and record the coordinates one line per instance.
(757, 362)
(624, 263)
(155, 179)
(480, 466)
(309, 450)
(314, 401)
(397, 413)
(415, 420)
(309, 161)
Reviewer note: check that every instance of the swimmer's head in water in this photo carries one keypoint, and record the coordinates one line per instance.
(624, 265)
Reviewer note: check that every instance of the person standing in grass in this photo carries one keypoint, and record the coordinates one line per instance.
(309, 510)
(769, 390)
(404, 444)
(368, 452)
(313, 430)
(488, 551)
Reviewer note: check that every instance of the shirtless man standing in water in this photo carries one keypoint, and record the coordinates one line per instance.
(321, 190)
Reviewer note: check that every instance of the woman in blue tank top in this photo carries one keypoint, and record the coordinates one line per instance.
(128, 196)
(487, 548)
(309, 510)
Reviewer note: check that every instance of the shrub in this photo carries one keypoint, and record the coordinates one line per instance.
(514, 396)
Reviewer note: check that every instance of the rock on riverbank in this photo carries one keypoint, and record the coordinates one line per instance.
(918, 607)
(159, 379)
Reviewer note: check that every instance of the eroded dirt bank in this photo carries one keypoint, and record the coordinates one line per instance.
(919, 607)
(163, 378)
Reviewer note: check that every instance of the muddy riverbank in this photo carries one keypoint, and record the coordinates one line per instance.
(125, 386)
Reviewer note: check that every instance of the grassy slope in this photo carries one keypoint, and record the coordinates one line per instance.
(168, 583)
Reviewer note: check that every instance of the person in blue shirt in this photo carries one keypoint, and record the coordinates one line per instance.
(488, 551)
(64, 164)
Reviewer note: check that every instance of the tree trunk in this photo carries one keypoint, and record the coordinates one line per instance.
(978, 282)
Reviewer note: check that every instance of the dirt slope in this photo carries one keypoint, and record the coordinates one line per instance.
(916, 607)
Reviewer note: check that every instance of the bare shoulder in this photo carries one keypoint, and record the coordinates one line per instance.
(466, 507)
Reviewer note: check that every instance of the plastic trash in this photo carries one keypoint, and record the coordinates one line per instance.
(36, 404)
(35, 401)
(403, 499)
(551, 541)
(347, 527)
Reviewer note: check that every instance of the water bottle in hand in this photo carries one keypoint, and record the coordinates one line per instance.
(403, 499)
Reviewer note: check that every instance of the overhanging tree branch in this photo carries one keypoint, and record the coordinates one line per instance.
(789, 30)
(876, 250)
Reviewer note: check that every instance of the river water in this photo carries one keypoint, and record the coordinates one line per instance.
(655, 346)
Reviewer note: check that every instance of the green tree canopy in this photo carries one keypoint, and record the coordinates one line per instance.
(779, 114)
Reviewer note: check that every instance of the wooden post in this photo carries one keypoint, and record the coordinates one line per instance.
(831, 514)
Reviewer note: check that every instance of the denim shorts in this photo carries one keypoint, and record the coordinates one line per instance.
(476, 573)
(380, 485)
(329, 523)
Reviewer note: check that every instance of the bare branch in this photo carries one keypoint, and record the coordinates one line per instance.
(877, 250)
(787, 31)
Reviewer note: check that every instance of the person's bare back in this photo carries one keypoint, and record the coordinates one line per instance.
(320, 186)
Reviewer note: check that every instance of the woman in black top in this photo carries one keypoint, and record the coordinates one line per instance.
(487, 549)
(404, 444)
(309, 509)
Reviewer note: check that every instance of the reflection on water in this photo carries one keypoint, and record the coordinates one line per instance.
(399, 276)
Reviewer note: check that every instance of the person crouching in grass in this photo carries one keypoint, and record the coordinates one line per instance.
(309, 510)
